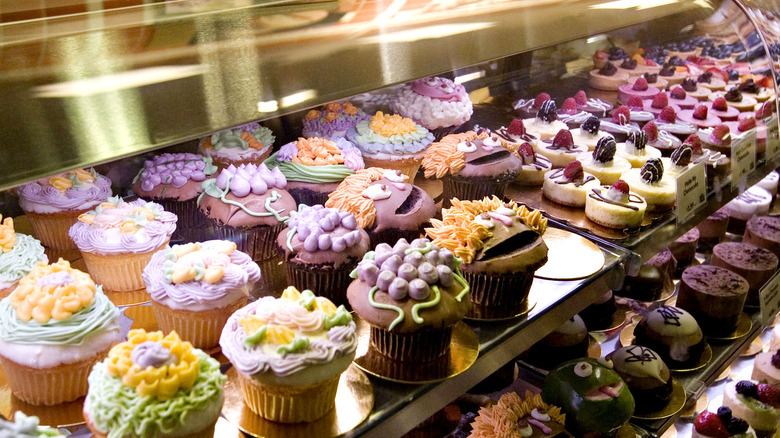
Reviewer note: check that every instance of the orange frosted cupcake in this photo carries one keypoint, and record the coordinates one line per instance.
(53, 328)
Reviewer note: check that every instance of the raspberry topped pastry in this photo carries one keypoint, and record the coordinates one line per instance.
(719, 107)
(667, 121)
(615, 206)
(659, 139)
(658, 103)
(620, 125)
(680, 97)
(710, 81)
(717, 139)
(699, 116)
(515, 133)
(639, 88)
(735, 98)
(597, 107)
(561, 150)
(607, 78)
(527, 108)
(569, 186)
(603, 164)
(534, 166)
(636, 150)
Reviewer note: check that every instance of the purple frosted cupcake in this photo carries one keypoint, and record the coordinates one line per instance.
(438, 104)
(173, 181)
(333, 120)
(321, 247)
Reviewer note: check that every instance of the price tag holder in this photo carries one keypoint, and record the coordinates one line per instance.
(743, 158)
(772, 139)
(769, 297)
(691, 191)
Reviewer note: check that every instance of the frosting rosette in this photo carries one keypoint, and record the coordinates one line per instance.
(317, 160)
(434, 102)
(198, 276)
(246, 142)
(152, 385)
(389, 135)
(118, 227)
(25, 426)
(284, 336)
(19, 253)
(332, 120)
(167, 175)
(75, 190)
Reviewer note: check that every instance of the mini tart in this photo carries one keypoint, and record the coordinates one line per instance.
(761, 417)
(687, 116)
(660, 195)
(626, 91)
(714, 83)
(747, 103)
(730, 114)
(609, 213)
(675, 79)
(607, 83)
(700, 93)
(559, 156)
(562, 190)
(607, 173)
(543, 130)
(688, 102)
(637, 157)
(655, 81)
(766, 368)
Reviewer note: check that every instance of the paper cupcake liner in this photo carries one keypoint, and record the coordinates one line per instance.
(273, 278)
(442, 132)
(308, 196)
(323, 280)
(49, 386)
(208, 432)
(258, 242)
(52, 229)
(289, 404)
(407, 166)
(192, 225)
(201, 328)
(125, 298)
(224, 163)
(393, 235)
(473, 188)
(498, 296)
(425, 345)
(119, 272)
(7, 291)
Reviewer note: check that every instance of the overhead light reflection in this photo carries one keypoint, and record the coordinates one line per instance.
(268, 106)
(125, 80)
(596, 39)
(630, 4)
(296, 98)
(427, 32)
(469, 77)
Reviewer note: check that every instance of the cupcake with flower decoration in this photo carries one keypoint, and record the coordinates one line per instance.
(438, 104)
(173, 181)
(332, 121)
(315, 166)
(501, 247)
(195, 288)
(321, 246)
(19, 253)
(26, 427)
(53, 328)
(54, 204)
(154, 386)
(412, 295)
(289, 353)
(117, 239)
(245, 144)
(391, 142)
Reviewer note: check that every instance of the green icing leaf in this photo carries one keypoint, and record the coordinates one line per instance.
(341, 317)
(298, 344)
(210, 188)
(138, 219)
(256, 337)
(307, 300)
(74, 179)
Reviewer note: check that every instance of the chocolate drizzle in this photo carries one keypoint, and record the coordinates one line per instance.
(733, 95)
(605, 150)
(561, 179)
(504, 134)
(645, 354)
(638, 139)
(548, 112)
(652, 171)
(596, 194)
(671, 315)
(608, 70)
(682, 155)
(750, 198)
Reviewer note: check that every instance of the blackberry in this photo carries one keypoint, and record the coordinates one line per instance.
(746, 388)
(736, 426)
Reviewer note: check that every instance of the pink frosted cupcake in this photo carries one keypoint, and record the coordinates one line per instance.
(54, 204)
(438, 104)
(197, 286)
(118, 238)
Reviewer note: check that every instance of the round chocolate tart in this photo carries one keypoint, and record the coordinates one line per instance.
(714, 296)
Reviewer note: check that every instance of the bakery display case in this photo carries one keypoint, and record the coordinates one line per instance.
(112, 86)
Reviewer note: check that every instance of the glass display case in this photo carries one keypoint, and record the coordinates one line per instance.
(111, 86)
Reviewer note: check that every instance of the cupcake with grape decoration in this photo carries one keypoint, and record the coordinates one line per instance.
(501, 247)
(53, 328)
(195, 288)
(246, 144)
(154, 385)
(321, 247)
(289, 353)
(315, 166)
(19, 253)
(438, 104)
(332, 121)
(412, 295)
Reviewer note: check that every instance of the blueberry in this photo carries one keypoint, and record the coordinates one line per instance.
(725, 414)
(736, 426)
(746, 388)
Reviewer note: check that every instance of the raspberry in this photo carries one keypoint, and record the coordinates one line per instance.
(621, 186)
(540, 99)
(574, 170)
(746, 124)
(581, 98)
(720, 104)
(650, 62)
(516, 127)
(622, 115)
(709, 424)
(678, 92)
(635, 103)
(640, 84)
(724, 412)
(721, 74)
(651, 130)
(766, 110)
(563, 140)
(721, 134)
(746, 388)
(695, 142)
(765, 82)
(569, 106)
(526, 153)
(661, 100)
(668, 115)
(700, 112)
(769, 394)
(737, 426)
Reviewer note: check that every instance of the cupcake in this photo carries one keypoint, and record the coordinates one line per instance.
(154, 386)
(53, 328)
(26, 427)
(437, 104)
(384, 204)
(391, 142)
(195, 288)
(118, 238)
(54, 204)
(332, 121)
(512, 416)
(173, 181)
(289, 353)
(321, 246)
(412, 295)
(471, 165)
(245, 144)
(315, 166)
(19, 253)
(501, 247)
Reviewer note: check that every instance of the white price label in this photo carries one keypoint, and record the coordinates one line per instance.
(743, 157)
(772, 139)
(691, 191)
(769, 297)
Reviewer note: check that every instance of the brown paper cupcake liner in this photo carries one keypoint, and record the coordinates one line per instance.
(224, 163)
(474, 188)
(273, 278)
(308, 196)
(442, 132)
(201, 328)
(424, 345)
(7, 291)
(498, 296)
(323, 280)
(407, 166)
(52, 229)
(191, 225)
(289, 404)
(258, 242)
(208, 432)
(49, 386)
(119, 272)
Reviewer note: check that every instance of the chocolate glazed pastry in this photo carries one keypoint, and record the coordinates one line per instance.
(714, 296)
